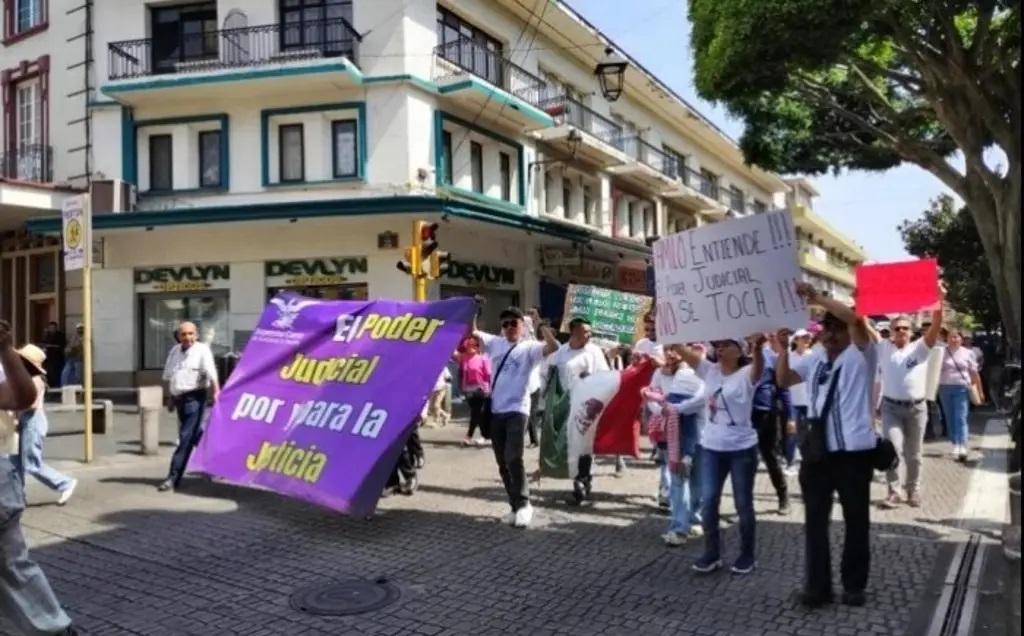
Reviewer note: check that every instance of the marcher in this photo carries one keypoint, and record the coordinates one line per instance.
(959, 377)
(514, 361)
(26, 597)
(190, 380)
(772, 413)
(839, 447)
(32, 428)
(800, 349)
(475, 375)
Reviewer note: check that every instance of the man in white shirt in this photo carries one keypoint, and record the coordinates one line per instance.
(902, 365)
(26, 597)
(190, 380)
(513, 360)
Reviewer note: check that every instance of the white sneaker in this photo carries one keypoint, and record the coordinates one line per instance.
(674, 540)
(509, 518)
(696, 531)
(524, 516)
(481, 442)
(65, 495)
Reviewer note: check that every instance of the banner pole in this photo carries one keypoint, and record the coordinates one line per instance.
(87, 323)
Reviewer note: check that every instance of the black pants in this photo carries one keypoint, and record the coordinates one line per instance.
(507, 441)
(766, 423)
(585, 470)
(414, 445)
(405, 467)
(936, 421)
(190, 408)
(849, 474)
(478, 415)
(531, 422)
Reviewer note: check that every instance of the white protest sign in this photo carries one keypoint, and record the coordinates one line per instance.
(728, 280)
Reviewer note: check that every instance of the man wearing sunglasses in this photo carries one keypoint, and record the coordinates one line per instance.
(514, 356)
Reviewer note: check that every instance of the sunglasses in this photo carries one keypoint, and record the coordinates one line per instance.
(901, 329)
(508, 324)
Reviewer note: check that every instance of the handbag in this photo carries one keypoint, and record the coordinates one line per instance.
(487, 412)
(972, 388)
(811, 434)
(885, 457)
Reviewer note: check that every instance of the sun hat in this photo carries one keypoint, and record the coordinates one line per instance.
(34, 356)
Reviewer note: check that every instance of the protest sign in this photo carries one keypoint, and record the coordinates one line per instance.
(900, 287)
(615, 317)
(325, 395)
(728, 280)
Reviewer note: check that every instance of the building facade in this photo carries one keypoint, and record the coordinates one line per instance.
(236, 148)
(828, 258)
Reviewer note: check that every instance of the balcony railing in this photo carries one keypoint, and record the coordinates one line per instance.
(476, 59)
(28, 162)
(233, 48)
(567, 111)
(736, 202)
(698, 181)
(651, 156)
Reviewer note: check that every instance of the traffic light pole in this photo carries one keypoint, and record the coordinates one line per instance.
(419, 277)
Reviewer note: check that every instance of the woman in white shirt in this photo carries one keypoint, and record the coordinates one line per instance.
(801, 348)
(729, 444)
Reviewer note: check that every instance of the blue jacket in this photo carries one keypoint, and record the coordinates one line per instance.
(767, 394)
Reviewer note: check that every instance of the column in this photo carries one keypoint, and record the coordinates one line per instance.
(622, 216)
(604, 205)
(637, 219)
(575, 212)
(660, 218)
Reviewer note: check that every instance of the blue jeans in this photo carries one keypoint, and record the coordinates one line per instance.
(684, 493)
(789, 439)
(956, 405)
(741, 466)
(664, 478)
(72, 373)
(189, 407)
(32, 429)
(26, 597)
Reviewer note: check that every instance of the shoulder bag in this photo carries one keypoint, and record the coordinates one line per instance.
(812, 433)
(972, 389)
(488, 413)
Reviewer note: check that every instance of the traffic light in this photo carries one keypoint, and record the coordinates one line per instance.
(412, 265)
(428, 239)
(440, 263)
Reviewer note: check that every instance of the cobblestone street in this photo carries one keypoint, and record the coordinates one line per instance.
(223, 560)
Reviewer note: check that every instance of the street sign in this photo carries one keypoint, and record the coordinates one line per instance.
(75, 233)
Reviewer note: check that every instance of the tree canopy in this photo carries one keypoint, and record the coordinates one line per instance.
(947, 233)
(871, 84)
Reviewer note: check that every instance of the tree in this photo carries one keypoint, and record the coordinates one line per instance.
(948, 234)
(871, 84)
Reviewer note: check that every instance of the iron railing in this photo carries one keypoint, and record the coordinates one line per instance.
(28, 162)
(699, 181)
(651, 156)
(568, 111)
(233, 48)
(472, 57)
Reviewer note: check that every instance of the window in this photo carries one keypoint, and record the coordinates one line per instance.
(292, 153)
(25, 151)
(322, 25)
(759, 207)
(209, 159)
(476, 160)
(649, 221)
(29, 111)
(676, 160)
(711, 183)
(23, 16)
(162, 313)
(737, 200)
(449, 164)
(566, 196)
(588, 205)
(161, 163)
(470, 48)
(630, 214)
(182, 34)
(345, 151)
(505, 170)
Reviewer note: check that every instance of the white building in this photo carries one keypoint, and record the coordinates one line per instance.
(287, 143)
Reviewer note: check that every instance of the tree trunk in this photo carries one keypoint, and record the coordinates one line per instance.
(997, 216)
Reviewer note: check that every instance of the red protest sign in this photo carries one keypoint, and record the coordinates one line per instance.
(902, 287)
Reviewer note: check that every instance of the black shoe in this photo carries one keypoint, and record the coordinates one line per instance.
(579, 492)
(854, 598)
(784, 505)
(814, 600)
(165, 485)
(410, 486)
(67, 631)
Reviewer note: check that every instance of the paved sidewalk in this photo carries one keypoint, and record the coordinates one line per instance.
(222, 560)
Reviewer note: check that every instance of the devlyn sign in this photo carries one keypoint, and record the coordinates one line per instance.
(475, 274)
(183, 278)
(315, 272)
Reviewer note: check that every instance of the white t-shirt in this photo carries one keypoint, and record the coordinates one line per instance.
(730, 399)
(443, 380)
(850, 419)
(903, 372)
(798, 392)
(189, 369)
(648, 347)
(511, 390)
(572, 363)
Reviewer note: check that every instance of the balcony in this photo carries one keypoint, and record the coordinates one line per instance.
(483, 85)
(823, 268)
(600, 139)
(653, 168)
(696, 191)
(313, 57)
(29, 162)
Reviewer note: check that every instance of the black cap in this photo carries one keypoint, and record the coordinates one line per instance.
(831, 320)
(511, 312)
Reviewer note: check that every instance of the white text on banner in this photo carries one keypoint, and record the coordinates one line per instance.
(728, 279)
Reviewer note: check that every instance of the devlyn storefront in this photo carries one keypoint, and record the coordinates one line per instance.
(622, 270)
(499, 286)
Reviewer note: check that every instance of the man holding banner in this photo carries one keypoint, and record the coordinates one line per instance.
(514, 357)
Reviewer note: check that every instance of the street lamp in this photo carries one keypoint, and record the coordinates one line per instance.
(611, 74)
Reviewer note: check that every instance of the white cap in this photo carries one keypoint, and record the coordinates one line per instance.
(801, 333)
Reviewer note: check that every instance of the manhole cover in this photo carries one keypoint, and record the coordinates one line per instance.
(344, 598)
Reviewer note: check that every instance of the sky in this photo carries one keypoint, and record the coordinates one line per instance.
(867, 207)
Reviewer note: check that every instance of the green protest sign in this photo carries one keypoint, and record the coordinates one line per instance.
(615, 317)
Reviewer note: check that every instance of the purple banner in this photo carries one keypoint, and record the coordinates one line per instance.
(325, 394)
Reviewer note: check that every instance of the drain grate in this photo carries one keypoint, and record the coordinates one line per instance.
(344, 598)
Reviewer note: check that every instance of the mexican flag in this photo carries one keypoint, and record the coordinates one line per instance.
(599, 417)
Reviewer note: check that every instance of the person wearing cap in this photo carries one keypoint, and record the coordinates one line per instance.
(26, 597)
(513, 359)
(32, 429)
(729, 444)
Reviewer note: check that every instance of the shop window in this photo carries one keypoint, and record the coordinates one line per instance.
(344, 149)
(495, 301)
(210, 159)
(292, 153)
(352, 291)
(161, 163)
(44, 273)
(162, 313)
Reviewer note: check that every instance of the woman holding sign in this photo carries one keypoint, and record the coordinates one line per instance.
(729, 443)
